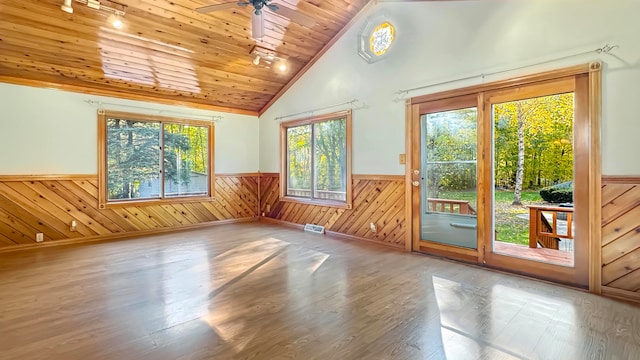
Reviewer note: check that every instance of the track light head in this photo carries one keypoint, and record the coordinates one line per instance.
(115, 19)
(270, 59)
(66, 6)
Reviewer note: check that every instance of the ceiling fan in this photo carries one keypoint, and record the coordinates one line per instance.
(257, 21)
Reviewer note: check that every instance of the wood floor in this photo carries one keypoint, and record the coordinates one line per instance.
(261, 291)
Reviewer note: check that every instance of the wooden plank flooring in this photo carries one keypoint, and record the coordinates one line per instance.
(262, 291)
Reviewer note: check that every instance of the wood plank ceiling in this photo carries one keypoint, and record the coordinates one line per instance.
(166, 51)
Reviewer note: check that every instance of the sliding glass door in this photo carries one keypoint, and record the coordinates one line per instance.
(503, 176)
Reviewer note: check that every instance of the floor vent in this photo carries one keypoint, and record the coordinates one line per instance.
(314, 228)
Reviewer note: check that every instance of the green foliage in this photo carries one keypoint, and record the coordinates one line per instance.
(322, 144)
(134, 154)
(331, 155)
(548, 134)
(507, 196)
(451, 150)
(559, 193)
(299, 157)
(509, 226)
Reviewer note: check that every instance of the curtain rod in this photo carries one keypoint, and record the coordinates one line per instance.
(606, 49)
(310, 112)
(213, 118)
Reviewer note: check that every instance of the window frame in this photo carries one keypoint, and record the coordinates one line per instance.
(348, 203)
(103, 200)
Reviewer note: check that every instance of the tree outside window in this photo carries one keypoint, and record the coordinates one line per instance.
(145, 158)
(317, 160)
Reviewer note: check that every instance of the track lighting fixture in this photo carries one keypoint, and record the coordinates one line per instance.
(115, 19)
(269, 59)
(66, 6)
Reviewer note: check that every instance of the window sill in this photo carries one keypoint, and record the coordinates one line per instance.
(150, 202)
(317, 202)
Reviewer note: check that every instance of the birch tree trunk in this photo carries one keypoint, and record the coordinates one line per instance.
(520, 171)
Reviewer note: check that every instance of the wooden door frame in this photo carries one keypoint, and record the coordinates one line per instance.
(576, 275)
(589, 74)
(457, 102)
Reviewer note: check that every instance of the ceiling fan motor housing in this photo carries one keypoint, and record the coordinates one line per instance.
(258, 5)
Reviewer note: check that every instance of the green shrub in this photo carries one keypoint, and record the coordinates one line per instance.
(545, 193)
(558, 193)
(562, 196)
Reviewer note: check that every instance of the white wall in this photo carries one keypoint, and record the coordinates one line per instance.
(439, 41)
(46, 131)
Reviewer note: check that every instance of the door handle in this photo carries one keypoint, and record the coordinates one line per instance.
(463, 226)
(415, 183)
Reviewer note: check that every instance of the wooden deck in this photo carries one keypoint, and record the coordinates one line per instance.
(558, 257)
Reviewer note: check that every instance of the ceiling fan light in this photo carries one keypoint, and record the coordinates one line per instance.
(256, 61)
(66, 6)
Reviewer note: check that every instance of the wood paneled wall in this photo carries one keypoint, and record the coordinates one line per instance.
(29, 205)
(376, 199)
(621, 237)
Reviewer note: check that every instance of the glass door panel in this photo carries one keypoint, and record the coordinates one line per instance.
(449, 182)
(536, 181)
(533, 178)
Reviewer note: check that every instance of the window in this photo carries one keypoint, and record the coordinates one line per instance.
(150, 159)
(381, 38)
(376, 38)
(316, 164)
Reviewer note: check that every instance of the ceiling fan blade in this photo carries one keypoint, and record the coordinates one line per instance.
(257, 26)
(295, 16)
(211, 8)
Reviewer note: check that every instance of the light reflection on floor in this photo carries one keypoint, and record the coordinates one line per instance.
(250, 260)
(504, 323)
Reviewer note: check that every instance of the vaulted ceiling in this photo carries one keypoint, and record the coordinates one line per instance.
(166, 51)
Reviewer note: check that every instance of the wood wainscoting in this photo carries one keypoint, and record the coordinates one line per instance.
(621, 237)
(378, 199)
(48, 205)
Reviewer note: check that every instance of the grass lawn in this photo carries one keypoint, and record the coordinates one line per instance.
(509, 227)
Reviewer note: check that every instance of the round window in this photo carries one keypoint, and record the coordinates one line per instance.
(376, 38)
(381, 38)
